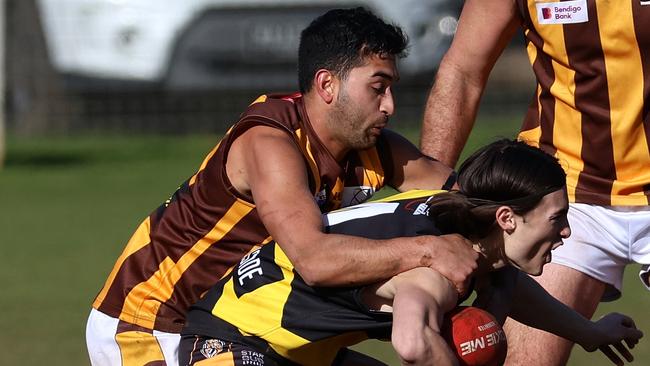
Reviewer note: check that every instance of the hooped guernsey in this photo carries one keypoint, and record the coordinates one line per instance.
(591, 110)
(186, 245)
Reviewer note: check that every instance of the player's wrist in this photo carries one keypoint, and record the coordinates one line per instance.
(589, 336)
(426, 253)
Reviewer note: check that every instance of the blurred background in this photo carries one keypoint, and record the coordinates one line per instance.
(79, 66)
(110, 104)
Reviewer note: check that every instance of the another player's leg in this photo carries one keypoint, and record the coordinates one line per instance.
(529, 346)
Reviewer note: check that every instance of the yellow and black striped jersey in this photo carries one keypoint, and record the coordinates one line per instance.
(592, 63)
(185, 246)
(264, 303)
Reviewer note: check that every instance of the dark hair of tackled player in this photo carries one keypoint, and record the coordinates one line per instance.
(510, 173)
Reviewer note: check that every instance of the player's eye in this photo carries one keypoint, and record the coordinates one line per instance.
(379, 89)
(558, 219)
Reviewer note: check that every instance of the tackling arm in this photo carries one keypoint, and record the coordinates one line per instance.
(265, 162)
(412, 169)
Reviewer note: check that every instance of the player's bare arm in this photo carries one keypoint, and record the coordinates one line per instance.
(412, 169)
(535, 307)
(418, 298)
(453, 101)
(265, 162)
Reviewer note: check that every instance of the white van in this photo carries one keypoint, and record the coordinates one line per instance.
(218, 44)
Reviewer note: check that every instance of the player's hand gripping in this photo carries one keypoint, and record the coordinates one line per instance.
(615, 330)
(453, 257)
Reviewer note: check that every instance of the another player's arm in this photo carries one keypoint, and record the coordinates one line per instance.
(535, 307)
(412, 169)
(418, 298)
(453, 102)
(265, 162)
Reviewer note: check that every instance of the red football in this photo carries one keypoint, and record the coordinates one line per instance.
(475, 336)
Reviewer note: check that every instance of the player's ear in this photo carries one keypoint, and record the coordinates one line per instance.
(325, 85)
(505, 218)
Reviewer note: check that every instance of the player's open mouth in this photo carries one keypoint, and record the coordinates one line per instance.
(557, 245)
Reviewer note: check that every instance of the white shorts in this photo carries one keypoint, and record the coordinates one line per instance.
(604, 240)
(130, 346)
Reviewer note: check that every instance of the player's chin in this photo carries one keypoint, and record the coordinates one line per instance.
(369, 142)
(536, 269)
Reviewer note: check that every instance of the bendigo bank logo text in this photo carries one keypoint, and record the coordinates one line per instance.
(560, 12)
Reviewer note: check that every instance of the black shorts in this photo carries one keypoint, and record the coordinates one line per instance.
(206, 351)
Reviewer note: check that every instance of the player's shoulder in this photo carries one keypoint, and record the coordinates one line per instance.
(282, 108)
(269, 115)
(412, 195)
(412, 203)
(399, 210)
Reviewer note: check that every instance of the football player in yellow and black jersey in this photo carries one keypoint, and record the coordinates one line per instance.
(288, 320)
(590, 109)
(287, 159)
(264, 313)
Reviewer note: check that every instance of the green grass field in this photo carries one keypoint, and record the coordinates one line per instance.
(70, 204)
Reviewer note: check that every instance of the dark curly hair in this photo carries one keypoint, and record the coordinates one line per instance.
(340, 39)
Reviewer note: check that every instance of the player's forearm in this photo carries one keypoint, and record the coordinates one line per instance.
(342, 260)
(535, 307)
(450, 112)
(422, 297)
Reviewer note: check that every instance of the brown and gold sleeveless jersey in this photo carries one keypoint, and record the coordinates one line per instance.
(187, 244)
(592, 63)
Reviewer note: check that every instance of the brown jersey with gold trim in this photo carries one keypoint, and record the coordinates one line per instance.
(187, 244)
(592, 63)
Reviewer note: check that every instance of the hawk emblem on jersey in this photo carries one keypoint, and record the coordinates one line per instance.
(212, 347)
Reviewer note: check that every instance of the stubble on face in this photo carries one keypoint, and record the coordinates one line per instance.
(349, 123)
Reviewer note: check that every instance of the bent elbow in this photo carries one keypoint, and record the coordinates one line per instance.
(410, 351)
(422, 347)
(312, 283)
(311, 274)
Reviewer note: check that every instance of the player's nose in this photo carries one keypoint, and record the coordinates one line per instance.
(387, 105)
